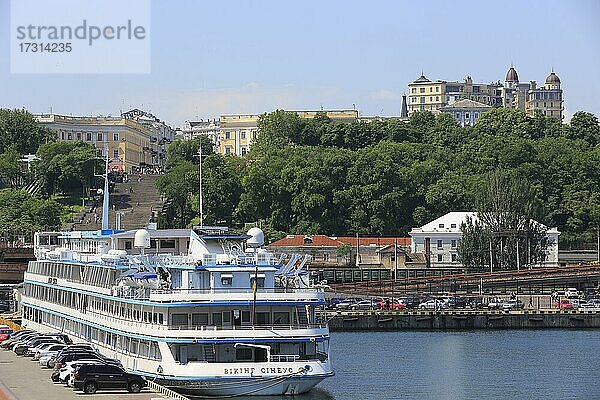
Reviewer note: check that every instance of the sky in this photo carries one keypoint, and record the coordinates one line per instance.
(226, 57)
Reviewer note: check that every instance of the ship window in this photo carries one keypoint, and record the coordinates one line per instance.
(226, 279)
(226, 317)
(243, 354)
(128, 245)
(245, 317)
(153, 243)
(167, 244)
(200, 319)
(260, 281)
(262, 318)
(217, 319)
(281, 318)
(160, 318)
(179, 319)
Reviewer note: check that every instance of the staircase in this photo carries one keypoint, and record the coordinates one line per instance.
(135, 201)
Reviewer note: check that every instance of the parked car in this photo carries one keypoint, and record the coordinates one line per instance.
(410, 301)
(391, 304)
(22, 348)
(5, 332)
(433, 304)
(495, 303)
(74, 348)
(62, 360)
(4, 306)
(564, 304)
(475, 302)
(65, 372)
(91, 378)
(345, 305)
(513, 305)
(589, 293)
(15, 337)
(48, 350)
(365, 305)
(572, 293)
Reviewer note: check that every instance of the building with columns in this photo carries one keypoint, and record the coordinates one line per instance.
(133, 140)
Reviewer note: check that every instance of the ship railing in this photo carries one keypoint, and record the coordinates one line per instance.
(236, 290)
(244, 328)
(284, 358)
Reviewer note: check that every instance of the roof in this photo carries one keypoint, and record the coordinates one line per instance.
(422, 79)
(326, 241)
(552, 78)
(451, 222)
(466, 103)
(511, 75)
(155, 233)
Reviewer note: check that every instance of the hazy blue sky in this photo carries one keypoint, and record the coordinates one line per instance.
(211, 58)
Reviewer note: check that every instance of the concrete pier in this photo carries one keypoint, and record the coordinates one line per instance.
(461, 319)
(23, 379)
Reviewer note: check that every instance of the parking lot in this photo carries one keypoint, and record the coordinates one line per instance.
(27, 381)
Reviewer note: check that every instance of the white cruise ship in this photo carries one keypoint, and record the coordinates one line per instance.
(205, 313)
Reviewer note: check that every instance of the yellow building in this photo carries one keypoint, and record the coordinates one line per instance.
(131, 144)
(547, 100)
(424, 94)
(237, 131)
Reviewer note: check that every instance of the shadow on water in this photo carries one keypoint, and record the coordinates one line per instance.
(314, 394)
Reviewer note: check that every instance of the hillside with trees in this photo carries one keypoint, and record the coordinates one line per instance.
(383, 177)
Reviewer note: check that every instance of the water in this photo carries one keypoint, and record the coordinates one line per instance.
(530, 364)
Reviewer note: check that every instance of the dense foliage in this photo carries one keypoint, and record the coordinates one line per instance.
(384, 177)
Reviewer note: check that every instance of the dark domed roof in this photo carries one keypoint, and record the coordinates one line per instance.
(511, 75)
(422, 79)
(552, 78)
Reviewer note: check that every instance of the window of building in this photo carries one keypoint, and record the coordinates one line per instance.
(430, 89)
(62, 136)
(422, 100)
(115, 137)
(227, 135)
(69, 136)
(440, 258)
(422, 90)
(440, 244)
(99, 137)
(457, 115)
(227, 149)
(422, 107)
(244, 151)
(88, 136)
(437, 98)
(467, 116)
(243, 135)
(78, 135)
(414, 90)
(454, 258)
(453, 243)
(115, 153)
(437, 88)
(430, 98)
(326, 257)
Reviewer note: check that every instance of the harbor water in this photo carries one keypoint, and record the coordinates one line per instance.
(502, 364)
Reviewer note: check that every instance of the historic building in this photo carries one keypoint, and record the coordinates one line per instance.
(465, 111)
(438, 241)
(209, 128)
(135, 139)
(425, 94)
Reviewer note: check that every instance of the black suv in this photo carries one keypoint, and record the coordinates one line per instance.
(91, 377)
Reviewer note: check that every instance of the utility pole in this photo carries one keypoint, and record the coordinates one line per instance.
(518, 261)
(200, 212)
(491, 257)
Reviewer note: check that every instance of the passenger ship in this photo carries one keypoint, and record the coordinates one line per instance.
(205, 312)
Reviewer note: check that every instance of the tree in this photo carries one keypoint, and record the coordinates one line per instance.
(584, 126)
(20, 131)
(506, 208)
(177, 185)
(187, 150)
(11, 170)
(67, 166)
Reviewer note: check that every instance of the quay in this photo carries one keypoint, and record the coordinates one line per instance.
(345, 321)
(23, 379)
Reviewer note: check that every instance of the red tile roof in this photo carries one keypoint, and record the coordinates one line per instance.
(324, 241)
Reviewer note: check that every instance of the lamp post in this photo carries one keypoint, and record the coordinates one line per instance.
(200, 212)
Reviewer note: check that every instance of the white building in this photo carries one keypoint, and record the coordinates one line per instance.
(465, 111)
(209, 128)
(443, 234)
